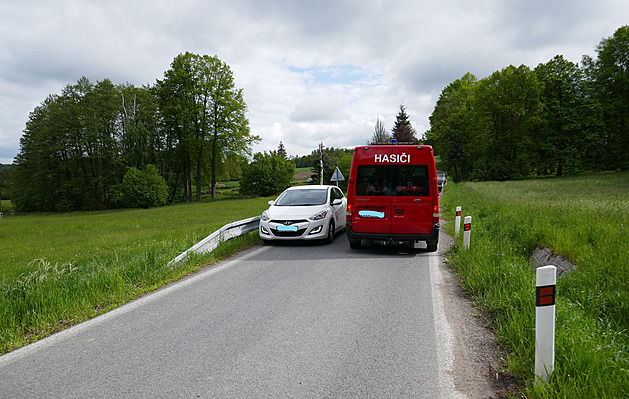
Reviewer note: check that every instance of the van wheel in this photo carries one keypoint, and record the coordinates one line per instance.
(330, 238)
(432, 245)
(354, 243)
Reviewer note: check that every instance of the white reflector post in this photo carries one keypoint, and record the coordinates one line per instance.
(545, 322)
(467, 227)
(457, 221)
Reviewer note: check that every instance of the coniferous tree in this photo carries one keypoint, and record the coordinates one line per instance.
(281, 150)
(403, 131)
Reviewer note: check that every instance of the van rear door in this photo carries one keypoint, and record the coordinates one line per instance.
(411, 196)
(372, 205)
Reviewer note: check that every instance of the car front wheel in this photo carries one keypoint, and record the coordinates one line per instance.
(330, 236)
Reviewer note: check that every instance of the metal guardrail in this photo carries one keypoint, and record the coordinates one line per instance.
(209, 243)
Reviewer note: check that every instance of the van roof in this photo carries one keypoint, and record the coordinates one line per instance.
(394, 145)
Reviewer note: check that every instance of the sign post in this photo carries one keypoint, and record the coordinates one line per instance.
(545, 322)
(337, 176)
(457, 221)
(321, 162)
(467, 227)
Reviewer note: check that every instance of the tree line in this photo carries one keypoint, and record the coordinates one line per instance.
(558, 118)
(104, 145)
(4, 182)
(188, 129)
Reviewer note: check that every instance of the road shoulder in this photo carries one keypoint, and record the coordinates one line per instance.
(476, 352)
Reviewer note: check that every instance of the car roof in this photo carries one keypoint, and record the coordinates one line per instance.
(310, 187)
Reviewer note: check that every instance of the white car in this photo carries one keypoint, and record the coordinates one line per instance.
(304, 213)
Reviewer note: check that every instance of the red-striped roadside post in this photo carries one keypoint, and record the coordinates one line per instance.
(545, 322)
(467, 227)
(457, 221)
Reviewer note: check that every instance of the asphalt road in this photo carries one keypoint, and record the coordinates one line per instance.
(281, 321)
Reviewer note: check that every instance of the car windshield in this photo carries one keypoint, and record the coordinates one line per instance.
(305, 197)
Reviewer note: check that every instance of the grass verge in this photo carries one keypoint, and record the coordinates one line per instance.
(59, 270)
(582, 218)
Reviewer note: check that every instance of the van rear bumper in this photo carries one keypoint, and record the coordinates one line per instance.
(351, 234)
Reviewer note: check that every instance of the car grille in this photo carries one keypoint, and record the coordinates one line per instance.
(297, 233)
(288, 222)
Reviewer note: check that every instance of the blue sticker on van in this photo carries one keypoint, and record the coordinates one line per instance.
(371, 214)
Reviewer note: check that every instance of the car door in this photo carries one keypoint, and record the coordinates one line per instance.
(339, 210)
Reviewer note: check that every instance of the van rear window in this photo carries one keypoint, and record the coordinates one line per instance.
(392, 180)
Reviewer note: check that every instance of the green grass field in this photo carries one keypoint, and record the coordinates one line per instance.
(583, 218)
(5, 206)
(60, 269)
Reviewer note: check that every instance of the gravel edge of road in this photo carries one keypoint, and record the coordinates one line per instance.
(476, 371)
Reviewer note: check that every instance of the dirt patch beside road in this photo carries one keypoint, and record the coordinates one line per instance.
(476, 353)
(299, 176)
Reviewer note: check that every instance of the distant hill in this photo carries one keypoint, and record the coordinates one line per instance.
(4, 166)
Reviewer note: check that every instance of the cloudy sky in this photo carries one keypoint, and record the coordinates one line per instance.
(312, 71)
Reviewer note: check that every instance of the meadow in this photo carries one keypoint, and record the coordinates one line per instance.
(582, 218)
(60, 269)
(5, 206)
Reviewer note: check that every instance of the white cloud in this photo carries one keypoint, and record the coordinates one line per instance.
(311, 71)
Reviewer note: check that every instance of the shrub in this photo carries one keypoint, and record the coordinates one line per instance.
(143, 189)
(268, 174)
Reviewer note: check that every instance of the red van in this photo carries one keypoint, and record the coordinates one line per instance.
(392, 195)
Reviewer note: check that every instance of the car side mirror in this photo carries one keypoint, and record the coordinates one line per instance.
(271, 202)
(337, 202)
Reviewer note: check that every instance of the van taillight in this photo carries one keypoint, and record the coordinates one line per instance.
(435, 213)
(349, 212)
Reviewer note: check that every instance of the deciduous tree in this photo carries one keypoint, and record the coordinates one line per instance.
(609, 77)
(202, 107)
(452, 130)
(380, 134)
(570, 135)
(509, 107)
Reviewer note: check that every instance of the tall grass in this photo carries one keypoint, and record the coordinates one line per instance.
(58, 270)
(582, 218)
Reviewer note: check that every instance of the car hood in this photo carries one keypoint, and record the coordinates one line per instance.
(294, 212)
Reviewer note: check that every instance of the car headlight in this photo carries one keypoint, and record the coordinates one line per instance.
(319, 215)
(265, 217)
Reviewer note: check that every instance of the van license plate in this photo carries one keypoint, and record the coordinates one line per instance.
(371, 214)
